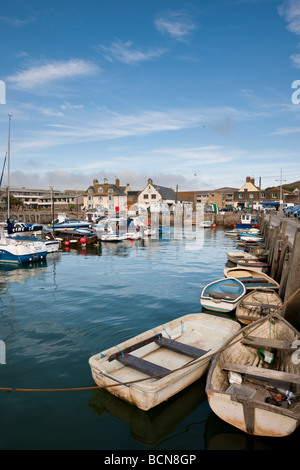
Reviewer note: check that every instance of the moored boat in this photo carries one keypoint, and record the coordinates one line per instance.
(254, 383)
(235, 256)
(20, 251)
(222, 295)
(155, 365)
(251, 278)
(257, 303)
(255, 264)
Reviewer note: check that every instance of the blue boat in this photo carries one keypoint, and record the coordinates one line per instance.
(222, 295)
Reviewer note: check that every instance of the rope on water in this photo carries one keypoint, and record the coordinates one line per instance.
(189, 364)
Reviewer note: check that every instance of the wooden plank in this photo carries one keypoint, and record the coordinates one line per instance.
(135, 346)
(260, 304)
(221, 295)
(260, 372)
(147, 367)
(267, 343)
(180, 347)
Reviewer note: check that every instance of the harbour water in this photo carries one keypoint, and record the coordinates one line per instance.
(55, 315)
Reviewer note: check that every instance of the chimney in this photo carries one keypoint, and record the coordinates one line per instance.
(252, 180)
(117, 182)
(247, 179)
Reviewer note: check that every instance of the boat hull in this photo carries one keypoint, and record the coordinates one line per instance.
(204, 331)
(10, 256)
(222, 295)
(244, 405)
(251, 278)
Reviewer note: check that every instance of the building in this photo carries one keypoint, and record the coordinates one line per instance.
(42, 199)
(106, 196)
(158, 197)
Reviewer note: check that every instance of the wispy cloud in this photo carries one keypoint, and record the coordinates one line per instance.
(176, 24)
(290, 11)
(50, 72)
(296, 60)
(128, 53)
(16, 22)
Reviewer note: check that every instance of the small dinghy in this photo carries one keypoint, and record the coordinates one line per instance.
(155, 365)
(222, 295)
(251, 278)
(254, 383)
(256, 304)
(235, 256)
(260, 266)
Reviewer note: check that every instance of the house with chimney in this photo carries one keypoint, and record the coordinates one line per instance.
(108, 197)
(157, 198)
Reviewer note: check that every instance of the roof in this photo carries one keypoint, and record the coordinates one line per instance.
(166, 193)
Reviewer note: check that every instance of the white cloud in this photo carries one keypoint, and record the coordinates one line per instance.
(176, 24)
(296, 60)
(128, 53)
(50, 72)
(290, 11)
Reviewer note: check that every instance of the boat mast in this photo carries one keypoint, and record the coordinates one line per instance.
(8, 165)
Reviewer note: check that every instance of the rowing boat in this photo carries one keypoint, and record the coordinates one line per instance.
(254, 383)
(222, 295)
(235, 256)
(251, 278)
(256, 304)
(155, 365)
(254, 263)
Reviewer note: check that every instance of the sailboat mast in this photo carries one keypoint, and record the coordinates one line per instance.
(8, 165)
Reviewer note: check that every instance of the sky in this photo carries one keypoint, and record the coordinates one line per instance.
(197, 94)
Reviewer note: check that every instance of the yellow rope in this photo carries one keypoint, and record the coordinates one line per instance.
(97, 387)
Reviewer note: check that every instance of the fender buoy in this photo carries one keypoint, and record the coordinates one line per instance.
(83, 240)
(67, 243)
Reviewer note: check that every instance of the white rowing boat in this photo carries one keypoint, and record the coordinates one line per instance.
(162, 361)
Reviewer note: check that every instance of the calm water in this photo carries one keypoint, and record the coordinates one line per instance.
(80, 302)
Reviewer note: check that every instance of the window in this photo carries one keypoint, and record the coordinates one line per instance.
(263, 195)
(153, 196)
(274, 195)
(145, 196)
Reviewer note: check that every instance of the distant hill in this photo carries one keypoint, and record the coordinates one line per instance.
(289, 186)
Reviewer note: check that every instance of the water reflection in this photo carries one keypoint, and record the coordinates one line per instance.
(150, 428)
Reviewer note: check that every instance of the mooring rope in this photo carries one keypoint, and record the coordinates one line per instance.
(189, 364)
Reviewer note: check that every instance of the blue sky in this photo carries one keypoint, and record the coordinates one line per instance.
(194, 93)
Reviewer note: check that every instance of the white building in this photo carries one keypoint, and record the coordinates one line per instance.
(157, 198)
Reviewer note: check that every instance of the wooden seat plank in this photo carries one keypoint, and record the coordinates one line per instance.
(142, 365)
(267, 343)
(180, 347)
(221, 295)
(262, 372)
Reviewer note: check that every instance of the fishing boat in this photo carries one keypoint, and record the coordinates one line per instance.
(255, 264)
(222, 295)
(63, 222)
(110, 235)
(20, 251)
(254, 383)
(155, 365)
(257, 303)
(235, 256)
(73, 238)
(251, 278)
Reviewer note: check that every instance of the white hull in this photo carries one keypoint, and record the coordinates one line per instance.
(245, 405)
(203, 331)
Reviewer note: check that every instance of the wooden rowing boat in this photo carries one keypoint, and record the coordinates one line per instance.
(242, 388)
(222, 295)
(256, 304)
(251, 278)
(235, 256)
(260, 266)
(162, 361)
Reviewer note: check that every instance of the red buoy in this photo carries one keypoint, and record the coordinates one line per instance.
(83, 240)
(67, 243)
